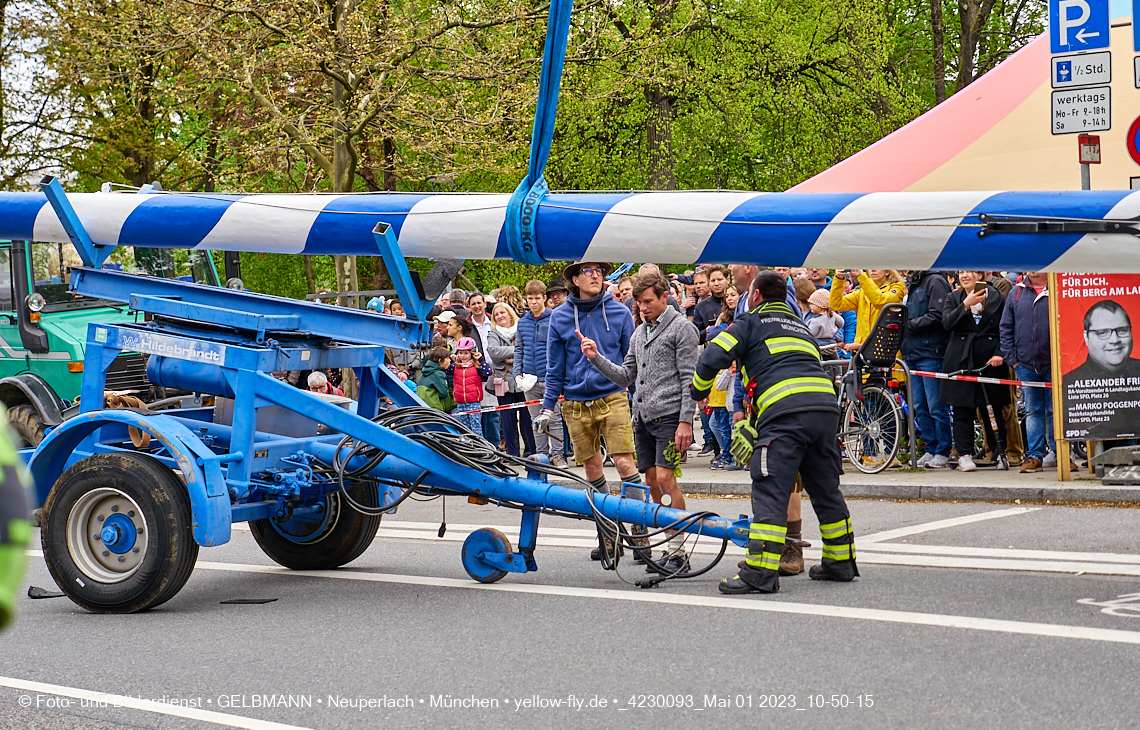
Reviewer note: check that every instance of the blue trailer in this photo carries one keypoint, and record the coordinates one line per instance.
(129, 496)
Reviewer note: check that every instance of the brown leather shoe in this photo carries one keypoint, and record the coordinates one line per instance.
(792, 561)
(1030, 465)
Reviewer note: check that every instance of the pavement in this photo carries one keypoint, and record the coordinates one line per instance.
(986, 484)
(966, 615)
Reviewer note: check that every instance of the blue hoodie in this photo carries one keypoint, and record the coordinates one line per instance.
(604, 320)
(530, 345)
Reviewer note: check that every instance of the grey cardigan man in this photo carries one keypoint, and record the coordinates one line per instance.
(661, 358)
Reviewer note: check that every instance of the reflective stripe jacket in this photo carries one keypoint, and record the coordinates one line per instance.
(778, 358)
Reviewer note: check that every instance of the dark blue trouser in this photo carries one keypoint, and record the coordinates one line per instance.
(491, 427)
(931, 414)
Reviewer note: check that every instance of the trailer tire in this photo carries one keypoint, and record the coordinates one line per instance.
(346, 537)
(26, 422)
(142, 502)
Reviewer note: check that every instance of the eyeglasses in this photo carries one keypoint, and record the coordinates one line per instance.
(592, 271)
(1119, 331)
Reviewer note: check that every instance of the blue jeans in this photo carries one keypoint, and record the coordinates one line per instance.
(1038, 412)
(722, 422)
(931, 414)
(711, 437)
(490, 423)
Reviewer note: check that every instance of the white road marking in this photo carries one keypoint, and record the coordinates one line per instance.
(942, 524)
(133, 703)
(739, 604)
(1125, 605)
(933, 556)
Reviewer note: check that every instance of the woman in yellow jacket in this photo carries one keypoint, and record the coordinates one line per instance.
(877, 288)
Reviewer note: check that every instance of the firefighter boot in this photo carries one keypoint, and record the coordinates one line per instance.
(761, 571)
(838, 553)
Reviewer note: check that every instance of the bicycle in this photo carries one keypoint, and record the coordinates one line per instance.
(871, 426)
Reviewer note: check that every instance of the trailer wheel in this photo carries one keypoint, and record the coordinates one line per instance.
(117, 533)
(338, 537)
(25, 421)
(485, 539)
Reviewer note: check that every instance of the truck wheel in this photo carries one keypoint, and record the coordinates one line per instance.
(337, 536)
(117, 534)
(26, 423)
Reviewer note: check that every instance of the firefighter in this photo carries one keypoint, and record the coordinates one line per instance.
(15, 530)
(790, 428)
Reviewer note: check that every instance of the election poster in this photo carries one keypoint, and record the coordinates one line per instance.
(1099, 363)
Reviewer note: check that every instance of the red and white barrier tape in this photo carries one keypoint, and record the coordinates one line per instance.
(920, 373)
(509, 406)
(978, 379)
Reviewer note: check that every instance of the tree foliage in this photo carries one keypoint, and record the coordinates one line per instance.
(434, 95)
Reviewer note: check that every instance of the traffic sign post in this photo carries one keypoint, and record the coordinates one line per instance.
(1088, 151)
(1078, 25)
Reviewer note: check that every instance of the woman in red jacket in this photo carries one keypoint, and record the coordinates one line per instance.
(467, 374)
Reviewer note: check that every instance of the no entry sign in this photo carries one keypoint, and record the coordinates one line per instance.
(1131, 141)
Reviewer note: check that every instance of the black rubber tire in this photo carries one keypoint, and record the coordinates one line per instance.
(25, 421)
(879, 406)
(170, 549)
(345, 541)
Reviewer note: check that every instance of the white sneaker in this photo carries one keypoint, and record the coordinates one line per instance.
(937, 461)
(924, 459)
(966, 463)
(1050, 461)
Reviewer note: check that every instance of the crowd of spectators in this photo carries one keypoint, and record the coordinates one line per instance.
(514, 365)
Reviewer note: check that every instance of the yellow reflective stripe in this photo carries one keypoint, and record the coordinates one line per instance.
(767, 561)
(702, 383)
(842, 552)
(767, 537)
(776, 345)
(793, 386)
(726, 341)
(835, 529)
(782, 529)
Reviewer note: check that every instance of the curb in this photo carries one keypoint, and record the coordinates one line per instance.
(1058, 494)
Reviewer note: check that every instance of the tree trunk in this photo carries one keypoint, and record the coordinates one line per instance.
(938, 34)
(659, 140)
(973, 14)
(310, 279)
(659, 123)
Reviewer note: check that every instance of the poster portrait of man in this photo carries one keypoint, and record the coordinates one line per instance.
(1102, 394)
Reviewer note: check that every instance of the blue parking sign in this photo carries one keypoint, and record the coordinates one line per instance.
(1064, 72)
(1078, 25)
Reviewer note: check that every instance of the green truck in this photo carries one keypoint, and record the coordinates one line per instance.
(43, 328)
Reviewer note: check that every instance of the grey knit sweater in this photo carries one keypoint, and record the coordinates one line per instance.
(662, 364)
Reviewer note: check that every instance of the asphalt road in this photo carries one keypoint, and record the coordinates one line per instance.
(966, 615)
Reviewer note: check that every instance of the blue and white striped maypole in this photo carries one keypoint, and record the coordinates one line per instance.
(1095, 230)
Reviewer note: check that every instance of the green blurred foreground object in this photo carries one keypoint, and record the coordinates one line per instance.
(15, 529)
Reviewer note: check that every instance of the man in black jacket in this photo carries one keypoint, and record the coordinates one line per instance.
(923, 349)
(790, 429)
(709, 309)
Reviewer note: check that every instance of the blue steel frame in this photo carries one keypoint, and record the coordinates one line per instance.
(227, 343)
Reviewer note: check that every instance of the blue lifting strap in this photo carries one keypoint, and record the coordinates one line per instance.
(522, 210)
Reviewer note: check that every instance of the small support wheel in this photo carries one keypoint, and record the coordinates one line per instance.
(485, 539)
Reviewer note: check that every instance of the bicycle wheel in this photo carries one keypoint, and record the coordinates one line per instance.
(871, 430)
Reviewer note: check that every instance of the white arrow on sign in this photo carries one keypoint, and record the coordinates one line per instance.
(1065, 22)
(1082, 34)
